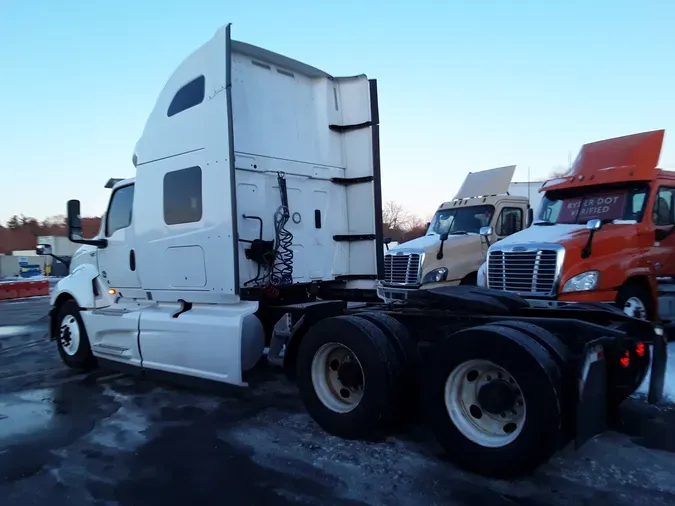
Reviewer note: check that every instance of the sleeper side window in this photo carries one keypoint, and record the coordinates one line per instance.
(183, 196)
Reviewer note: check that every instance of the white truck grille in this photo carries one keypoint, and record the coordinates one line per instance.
(527, 271)
(402, 269)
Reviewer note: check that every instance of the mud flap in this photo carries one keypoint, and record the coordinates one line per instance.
(658, 369)
(592, 390)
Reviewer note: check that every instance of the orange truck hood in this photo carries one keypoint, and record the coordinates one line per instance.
(606, 242)
(621, 159)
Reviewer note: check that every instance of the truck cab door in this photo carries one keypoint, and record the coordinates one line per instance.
(117, 261)
(662, 255)
(509, 221)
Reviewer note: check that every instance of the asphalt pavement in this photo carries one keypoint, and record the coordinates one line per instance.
(106, 438)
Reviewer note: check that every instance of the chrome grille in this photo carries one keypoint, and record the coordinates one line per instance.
(402, 269)
(532, 272)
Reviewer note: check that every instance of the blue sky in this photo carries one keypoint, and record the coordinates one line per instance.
(464, 86)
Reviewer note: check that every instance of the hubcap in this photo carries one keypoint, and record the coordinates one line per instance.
(636, 308)
(485, 403)
(69, 335)
(337, 377)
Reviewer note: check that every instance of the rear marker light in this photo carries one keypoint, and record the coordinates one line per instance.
(640, 349)
(625, 360)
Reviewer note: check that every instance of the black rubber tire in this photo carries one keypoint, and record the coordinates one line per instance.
(563, 358)
(83, 359)
(639, 292)
(381, 369)
(408, 409)
(533, 369)
(555, 347)
(470, 279)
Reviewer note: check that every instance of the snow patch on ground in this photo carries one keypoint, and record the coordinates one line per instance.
(669, 386)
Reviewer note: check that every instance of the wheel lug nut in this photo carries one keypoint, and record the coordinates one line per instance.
(503, 415)
(488, 377)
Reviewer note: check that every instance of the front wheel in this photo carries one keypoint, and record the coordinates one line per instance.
(72, 339)
(635, 301)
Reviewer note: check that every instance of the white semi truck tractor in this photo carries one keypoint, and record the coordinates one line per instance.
(252, 222)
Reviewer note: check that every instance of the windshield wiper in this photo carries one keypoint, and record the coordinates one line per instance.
(543, 223)
(459, 232)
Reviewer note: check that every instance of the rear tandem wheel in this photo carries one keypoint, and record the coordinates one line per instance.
(349, 377)
(493, 401)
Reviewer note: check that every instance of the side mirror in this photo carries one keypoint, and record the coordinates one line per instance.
(43, 249)
(530, 216)
(444, 236)
(74, 221)
(594, 224)
(486, 231)
(386, 240)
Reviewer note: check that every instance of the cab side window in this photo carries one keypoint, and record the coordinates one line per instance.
(662, 213)
(637, 205)
(509, 222)
(119, 210)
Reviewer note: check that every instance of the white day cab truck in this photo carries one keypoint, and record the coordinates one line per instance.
(487, 208)
(252, 222)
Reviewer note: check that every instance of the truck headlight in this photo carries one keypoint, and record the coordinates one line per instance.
(435, 276)
(481, 277)
(582, 282)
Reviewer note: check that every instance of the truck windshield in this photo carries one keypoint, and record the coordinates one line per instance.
(461, 220)
(604, 204)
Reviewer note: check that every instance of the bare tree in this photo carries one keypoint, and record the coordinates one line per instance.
(394, 216)
(559, 171)
(416, 222)
(52, 221)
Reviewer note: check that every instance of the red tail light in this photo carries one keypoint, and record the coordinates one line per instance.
(640, 349)
(625, 360)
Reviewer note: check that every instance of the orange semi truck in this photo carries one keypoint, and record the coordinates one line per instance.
(604, 232)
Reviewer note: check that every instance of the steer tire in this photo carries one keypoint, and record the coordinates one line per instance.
(381, 368)
(634, 291)
(408, 409)
(538, 377)
(82, 358)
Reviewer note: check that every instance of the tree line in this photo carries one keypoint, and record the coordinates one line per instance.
(21, 232)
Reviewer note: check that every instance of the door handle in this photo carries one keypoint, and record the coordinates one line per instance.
(132, 260)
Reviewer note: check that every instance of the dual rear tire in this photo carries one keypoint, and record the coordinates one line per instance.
(492, 395)
(353, 374)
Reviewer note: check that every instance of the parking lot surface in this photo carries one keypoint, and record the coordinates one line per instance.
(106, 438)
